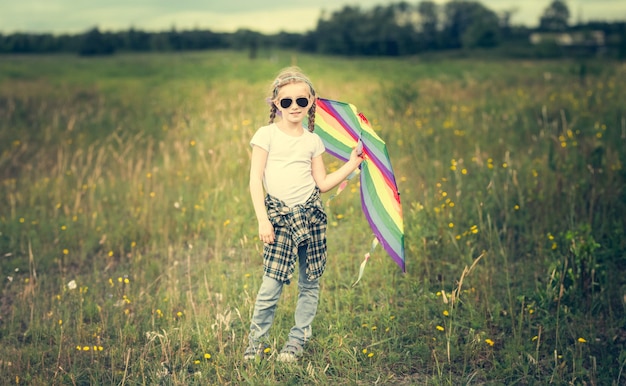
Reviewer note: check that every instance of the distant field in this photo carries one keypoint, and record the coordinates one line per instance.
(128, 249)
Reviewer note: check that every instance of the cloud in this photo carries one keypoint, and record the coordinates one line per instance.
(266, 16)
(297, 20)
(71, 17)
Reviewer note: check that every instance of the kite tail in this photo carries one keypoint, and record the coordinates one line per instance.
(375, 242)
(342, 186)
(367, 257)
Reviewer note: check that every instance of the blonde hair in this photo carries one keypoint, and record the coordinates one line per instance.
(291, 75)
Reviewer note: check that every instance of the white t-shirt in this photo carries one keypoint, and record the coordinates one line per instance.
(288, 169)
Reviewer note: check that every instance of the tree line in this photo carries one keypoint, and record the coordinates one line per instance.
(392, 30)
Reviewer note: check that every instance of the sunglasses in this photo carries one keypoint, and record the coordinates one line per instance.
(286, 102)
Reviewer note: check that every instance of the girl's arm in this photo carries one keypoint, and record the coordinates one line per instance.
(328, 181)
(257, 168)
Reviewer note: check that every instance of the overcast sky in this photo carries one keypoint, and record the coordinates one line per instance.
(266, 16)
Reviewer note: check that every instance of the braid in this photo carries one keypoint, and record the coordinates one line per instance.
(272, 113)
(312, 116)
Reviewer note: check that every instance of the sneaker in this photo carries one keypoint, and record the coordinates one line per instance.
(254, 350)
(290, 352)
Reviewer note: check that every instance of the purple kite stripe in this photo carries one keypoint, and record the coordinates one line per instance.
(388, 233)
(375, 154)
(373, 219)
(392, 253)
(378, 212)
(335, 154)
(330, 108)
(387, 172)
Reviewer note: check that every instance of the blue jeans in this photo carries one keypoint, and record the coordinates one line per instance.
(267, 300)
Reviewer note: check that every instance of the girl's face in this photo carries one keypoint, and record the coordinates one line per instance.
(294, 101)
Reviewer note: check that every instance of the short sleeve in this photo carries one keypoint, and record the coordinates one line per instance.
(319, 146)
(261, 138)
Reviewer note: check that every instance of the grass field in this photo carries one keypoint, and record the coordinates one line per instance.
(128, 247)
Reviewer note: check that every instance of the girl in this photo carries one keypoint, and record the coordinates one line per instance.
(287, 175)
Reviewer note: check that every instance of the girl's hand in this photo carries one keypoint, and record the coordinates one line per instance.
(356, 156)
(266, 232)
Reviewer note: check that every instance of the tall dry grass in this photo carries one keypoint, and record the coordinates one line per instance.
(128, 239)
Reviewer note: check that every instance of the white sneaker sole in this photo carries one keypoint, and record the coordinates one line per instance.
(287, 358)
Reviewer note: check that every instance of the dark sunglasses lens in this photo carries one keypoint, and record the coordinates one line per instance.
(302, 102)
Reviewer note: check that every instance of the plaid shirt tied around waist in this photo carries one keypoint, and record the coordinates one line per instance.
(303, 223)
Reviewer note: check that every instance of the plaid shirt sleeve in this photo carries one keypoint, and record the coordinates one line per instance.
(305, 223)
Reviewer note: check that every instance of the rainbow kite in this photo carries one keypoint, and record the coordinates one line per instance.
(341, 128)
